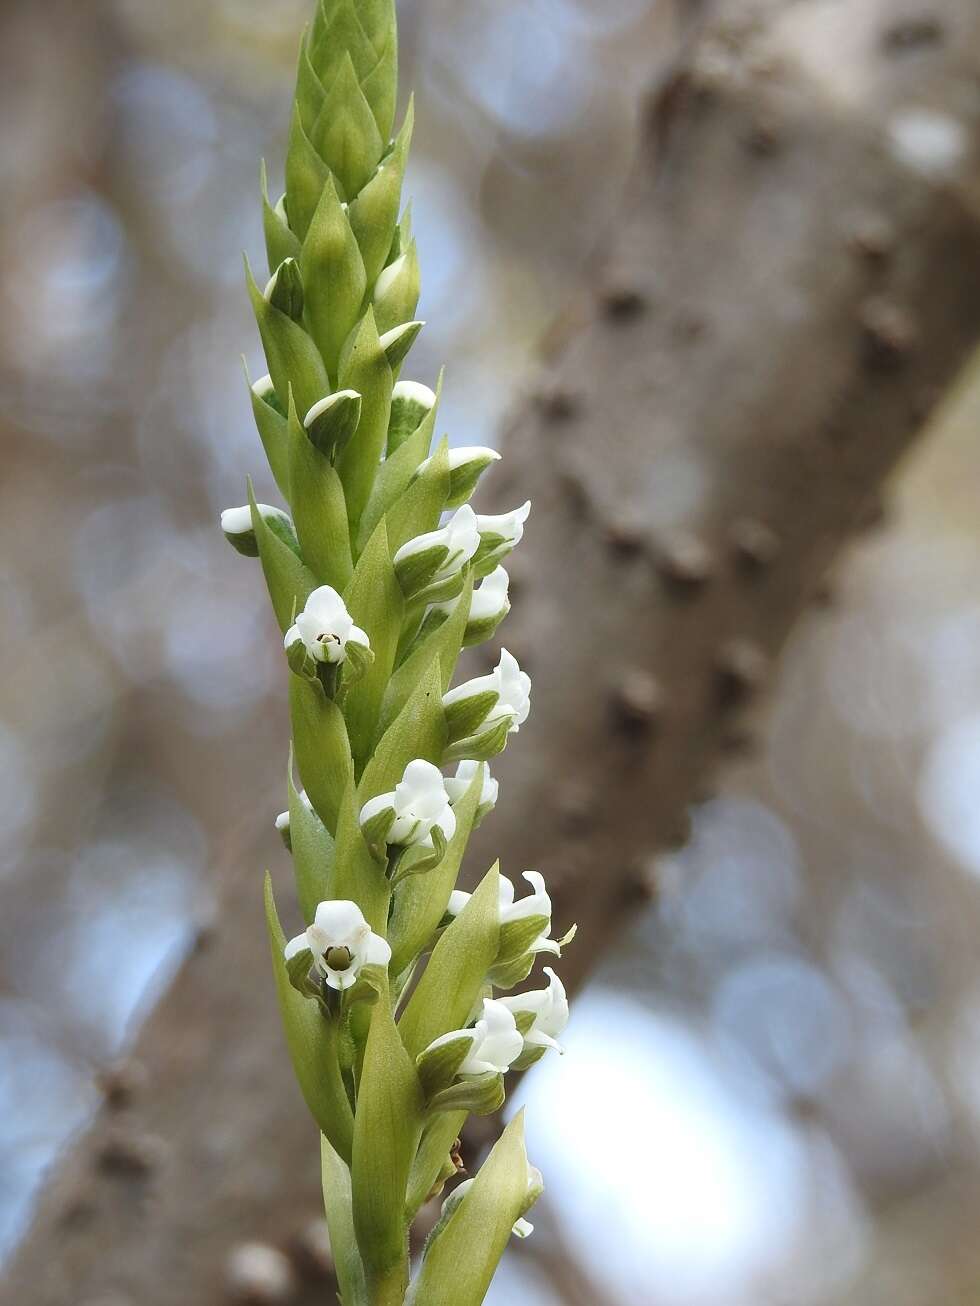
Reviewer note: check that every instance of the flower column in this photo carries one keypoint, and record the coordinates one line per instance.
(376, 594)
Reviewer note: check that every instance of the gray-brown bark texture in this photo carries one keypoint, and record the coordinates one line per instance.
(793, 280)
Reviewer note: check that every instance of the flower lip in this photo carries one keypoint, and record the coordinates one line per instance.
(510, 525)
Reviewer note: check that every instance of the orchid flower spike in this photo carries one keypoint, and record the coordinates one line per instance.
(549, 1007)
(340, 942)
(408, 814)
(496, 1041)
(326, 628)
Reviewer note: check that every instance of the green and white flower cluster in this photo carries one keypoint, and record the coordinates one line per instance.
(398, 995)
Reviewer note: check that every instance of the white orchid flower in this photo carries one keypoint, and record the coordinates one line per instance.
(326, 627)
(496, 1041)
(458, 784)
(512, 687)
(341, 943)
(459, 536)
(536, 903)
(489, 603)
(419, 803)
(550, 1010)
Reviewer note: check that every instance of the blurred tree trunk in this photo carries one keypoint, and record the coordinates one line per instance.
(793, 280)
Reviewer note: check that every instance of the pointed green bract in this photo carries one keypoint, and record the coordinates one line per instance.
(460, 1260)
(374, 212)
(340, 1226)
(294, 361)
(363, 367)
(312, 850)
(319, 509)
(323, 753)
(280, 242)
(345, 134)
(374, 600)
(387, 1128)
(452, 980)
(334, 277)
(288, 580)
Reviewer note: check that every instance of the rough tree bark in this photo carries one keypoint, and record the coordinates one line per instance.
(793, 280)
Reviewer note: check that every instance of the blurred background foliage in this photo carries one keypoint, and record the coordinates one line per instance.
(793, 1030)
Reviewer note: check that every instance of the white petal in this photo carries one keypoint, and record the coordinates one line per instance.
(296, 945)
(341, 921)
(375, 951)
(375, 805)
(457, 901)
(414, 391)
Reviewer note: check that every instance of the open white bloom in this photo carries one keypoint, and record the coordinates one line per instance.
(459, 535)
(508, 525)
(512, 687)
(496, 1041)
(420, 804)
(536, 903)
(341, 942)
(522, 1228)
(458, 784)
(550, 1010)
(326, 627)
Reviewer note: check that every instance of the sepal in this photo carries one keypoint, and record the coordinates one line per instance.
(480, 747)
(437, 1066)
(284, 289)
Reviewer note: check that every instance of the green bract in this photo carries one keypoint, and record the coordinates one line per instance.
(382, 989)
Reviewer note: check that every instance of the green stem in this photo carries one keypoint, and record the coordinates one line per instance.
(389, 1288)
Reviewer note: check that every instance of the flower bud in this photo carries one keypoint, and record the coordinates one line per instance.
(285, 289)
(410, 402)
(466, 465)
(398, 341)
(282, 825)
(237, 526)
(332, 422)
(340, 942)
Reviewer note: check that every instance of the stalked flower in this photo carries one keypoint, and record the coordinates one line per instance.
(415, 812)
(285, 289)
(429, 560)
(410, 402)
(326, 629)
(457, 786)
(236, 523)
(498, 536)
(494, 1041)
(331, 422)
(340, 942)
(501, 699)
(466, 465)
(548, 1009)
